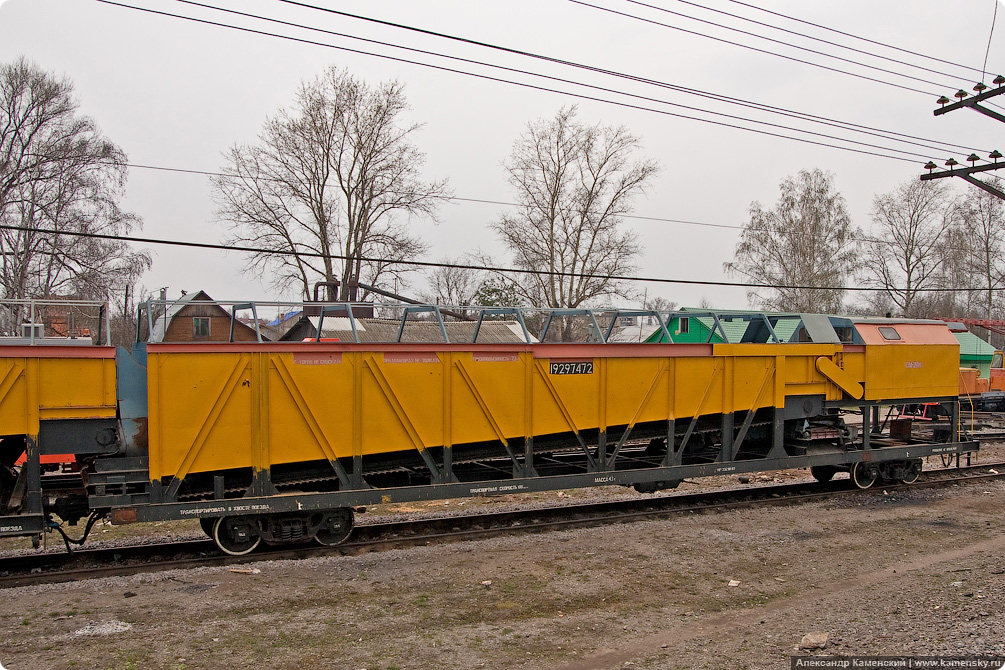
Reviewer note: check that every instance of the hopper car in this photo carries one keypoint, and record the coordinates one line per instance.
(278, 442)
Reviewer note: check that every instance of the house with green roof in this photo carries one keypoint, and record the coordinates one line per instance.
(731, 327)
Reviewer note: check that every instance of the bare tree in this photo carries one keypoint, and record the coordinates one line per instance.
(658, 303)
(451, 285)
(982, 221)
(327, 184)
(574, 184)
(907, 256)
(58, 173)
(806, 241)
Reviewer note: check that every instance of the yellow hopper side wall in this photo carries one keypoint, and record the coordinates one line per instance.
(223, 406)
(51, 382)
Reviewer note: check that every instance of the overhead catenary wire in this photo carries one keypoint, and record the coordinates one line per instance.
(461, 266)
(515, 269)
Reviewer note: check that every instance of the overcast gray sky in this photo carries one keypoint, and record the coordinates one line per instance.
(175, 93)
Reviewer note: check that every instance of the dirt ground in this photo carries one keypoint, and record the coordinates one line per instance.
(882, 574)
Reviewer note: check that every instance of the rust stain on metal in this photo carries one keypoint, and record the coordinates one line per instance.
(124, 515)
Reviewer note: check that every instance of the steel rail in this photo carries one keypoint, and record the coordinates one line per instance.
(31, 569)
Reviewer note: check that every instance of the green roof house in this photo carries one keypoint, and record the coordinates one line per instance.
(732, 326)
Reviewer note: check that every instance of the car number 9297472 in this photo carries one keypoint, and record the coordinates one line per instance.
(571, 368)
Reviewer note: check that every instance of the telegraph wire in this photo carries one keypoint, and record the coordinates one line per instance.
(756, 35)
(753, 48)
(460, 266)
(758, 106)
(843, 125)
(853, 36)
(692, 32)
(503, 203)
(446, 197)
(580, 96)
(994, 17)
(798, 34)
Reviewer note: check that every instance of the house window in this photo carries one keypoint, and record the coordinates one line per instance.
(685, 325)
(200, 326)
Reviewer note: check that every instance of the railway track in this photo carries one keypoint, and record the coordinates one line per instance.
(31, 569)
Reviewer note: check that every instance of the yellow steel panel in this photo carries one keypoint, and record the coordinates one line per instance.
(200, 412)
(305, 406)
(750, 378)
(698, 384)
(309, 410)
(843, 379)
(629, 380)
(575, 394)
(14, 399)
(40, 387)
(911, 371)
(469, 404)
(413, 388)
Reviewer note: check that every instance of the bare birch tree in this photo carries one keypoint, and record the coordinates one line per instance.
(328, 184)
(574, 183)
(451, 285)
(805, 241)
(982, 222)
(58, 173)
(906, 258)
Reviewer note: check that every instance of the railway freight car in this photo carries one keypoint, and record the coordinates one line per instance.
(278, 441)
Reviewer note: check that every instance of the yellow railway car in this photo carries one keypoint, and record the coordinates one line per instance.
(277, 441)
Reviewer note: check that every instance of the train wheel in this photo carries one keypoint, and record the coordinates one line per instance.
(864, 474)
(335, 528)
(912, 471)
(236, 535)
(823, 473)
(207, 523)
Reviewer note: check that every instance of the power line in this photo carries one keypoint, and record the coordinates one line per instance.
(527, 85)
(853, 36)
(719, 97)
(675, 87)
(503, 203)
(799, 34)
(758, 50)
(460, 266)
(757, 106)
(762, 107)
(991, 34)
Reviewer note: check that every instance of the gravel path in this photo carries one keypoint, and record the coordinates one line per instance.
(910, 573)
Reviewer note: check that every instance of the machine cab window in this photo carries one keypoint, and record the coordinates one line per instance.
(889, 333)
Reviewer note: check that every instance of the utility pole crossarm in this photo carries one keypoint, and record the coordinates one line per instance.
(983, 93)
(972, 102)
(960, 172)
